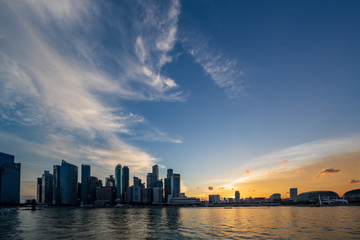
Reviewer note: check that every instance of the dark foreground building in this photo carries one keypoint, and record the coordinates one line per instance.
(352, 196)
(313, 197)
(9, 179)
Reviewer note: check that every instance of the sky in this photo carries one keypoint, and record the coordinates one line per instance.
(255, 96)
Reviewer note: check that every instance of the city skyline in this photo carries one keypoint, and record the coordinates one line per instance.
(253, 96)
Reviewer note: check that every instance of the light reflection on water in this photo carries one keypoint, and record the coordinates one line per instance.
(184, 223)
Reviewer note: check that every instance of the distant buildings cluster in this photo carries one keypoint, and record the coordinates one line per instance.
(62, 187)
(9, 179)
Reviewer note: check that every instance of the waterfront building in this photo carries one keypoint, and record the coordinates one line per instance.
(107, 194)
(125, 181)
(352, 196)
(313, 197)
(175, 185)
(237, 196)
(151, 179)
(155, 171)
(293, 193)
(167, 189)
(184, 201)
(47, 187)
(92, 185)
(170, 172)
(157, 195)
(214, 198)
(68, 183)
(147, 195)
(85, 174)
(118, 182)
(39, 190)
(275, 198)
(56, 185)
(9, 179)
(110, 181)
(137, 190)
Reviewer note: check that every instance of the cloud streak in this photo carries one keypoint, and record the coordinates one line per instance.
(327, 171)
(56, 77)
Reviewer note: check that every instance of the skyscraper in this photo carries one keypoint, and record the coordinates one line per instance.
(56, 185)
(175, 185)
(47, 187)
(125, 181)
(151, 179)
(39, 190)
(167, 188)
(118, 182)
(155, 171)
(170, 172)
(9, 179)
(68, 183)
(293, 193)
(85, 174)
(237, 196)
(110, 181)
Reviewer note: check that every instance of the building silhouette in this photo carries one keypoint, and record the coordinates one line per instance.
(9, 179)
(125, 182)
(85, 174)
(39, 190)
(56, 185)
(214, 198)
(118, 182)
(237, 196)
(68, 183)
(293, 193)
(155, 170)
(175, 185)
(47, 187)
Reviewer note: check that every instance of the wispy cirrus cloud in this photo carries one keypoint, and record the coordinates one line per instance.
(225, 71)
(61, 62)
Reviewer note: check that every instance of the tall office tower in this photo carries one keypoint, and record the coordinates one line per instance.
(157, 195)
(293, 193)
(137, 190)
(237, 196)
(9, 179)
(110, 181)
(92, 185)
(85, 174)
(47, 187)
(125, 181)
(175, 185)
(155, 171)
(56, 185)
(167, 188)
(39, 190)
(68, 183)
(118, 182)
(151, 180)
(170, 172)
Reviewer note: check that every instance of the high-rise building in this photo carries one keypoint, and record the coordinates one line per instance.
(170, 172)
(9, 179)
(68, 183)
(92, 185)
(214, 198)
(39, 190)
(118, 182)
(125, 182)
(167, 188)
(151, 179)
(85, 174)
(155, 170)
(56, 185)
(110, 181)
(237, 196)
(47, 187)
(293, 193)
(157, 195)
(175, 185)
(137, 190)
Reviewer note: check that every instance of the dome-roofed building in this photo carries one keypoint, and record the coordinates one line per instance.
(313, 197)
(352, 196)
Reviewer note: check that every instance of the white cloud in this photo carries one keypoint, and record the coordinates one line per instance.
(223, 70)
(55, 75)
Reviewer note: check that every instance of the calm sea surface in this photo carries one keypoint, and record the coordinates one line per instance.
(184, 223)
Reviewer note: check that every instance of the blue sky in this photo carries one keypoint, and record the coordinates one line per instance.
(207, 88)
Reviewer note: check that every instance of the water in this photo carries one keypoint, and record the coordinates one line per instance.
(184, 223)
